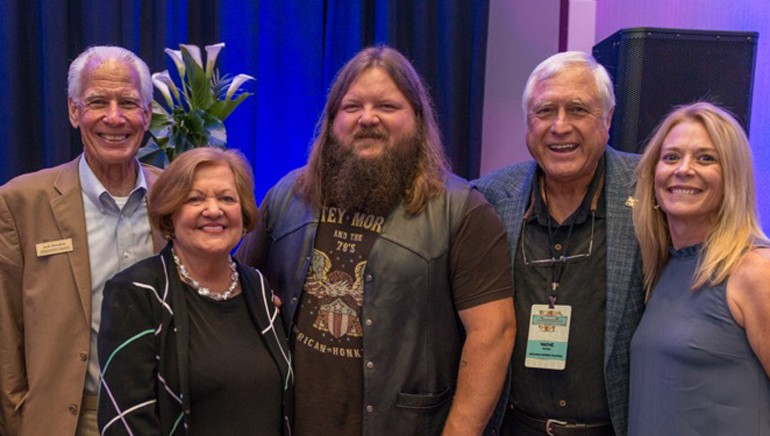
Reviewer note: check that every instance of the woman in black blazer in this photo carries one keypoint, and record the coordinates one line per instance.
(190, 341)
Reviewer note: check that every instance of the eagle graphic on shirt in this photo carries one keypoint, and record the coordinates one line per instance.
(338, 294)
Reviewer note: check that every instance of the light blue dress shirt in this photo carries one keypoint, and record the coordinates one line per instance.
(118, 236)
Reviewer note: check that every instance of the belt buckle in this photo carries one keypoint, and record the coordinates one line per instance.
(548, 424)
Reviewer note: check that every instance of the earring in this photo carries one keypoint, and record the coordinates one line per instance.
(168, 236)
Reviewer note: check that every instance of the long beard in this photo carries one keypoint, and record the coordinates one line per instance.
(371, 185)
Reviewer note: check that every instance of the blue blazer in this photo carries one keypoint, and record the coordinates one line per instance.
(508, 191)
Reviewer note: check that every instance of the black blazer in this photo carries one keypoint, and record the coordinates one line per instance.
(143, 347)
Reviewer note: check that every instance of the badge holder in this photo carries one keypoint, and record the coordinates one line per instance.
(548, 337)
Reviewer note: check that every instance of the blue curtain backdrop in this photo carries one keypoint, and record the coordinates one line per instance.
(294, 48)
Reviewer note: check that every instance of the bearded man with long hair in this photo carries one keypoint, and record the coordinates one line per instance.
(394, 275)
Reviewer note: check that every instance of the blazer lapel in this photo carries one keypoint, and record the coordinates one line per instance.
(267, 319)
(523, 187)
(158, 242)
(511, 208)
(181, 323)
(620, 242)
(70, 217)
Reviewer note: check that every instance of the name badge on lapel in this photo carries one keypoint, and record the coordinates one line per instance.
(54, 247)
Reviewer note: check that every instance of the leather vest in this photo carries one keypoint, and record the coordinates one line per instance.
(412, 334)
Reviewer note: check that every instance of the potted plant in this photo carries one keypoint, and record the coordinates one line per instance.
(192, 114)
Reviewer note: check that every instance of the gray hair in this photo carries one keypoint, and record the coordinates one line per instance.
(101, 54)
(568, 59)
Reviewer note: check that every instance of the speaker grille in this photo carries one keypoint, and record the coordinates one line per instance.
(655, 70)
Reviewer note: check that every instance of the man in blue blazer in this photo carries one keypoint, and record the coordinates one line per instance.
(576, 264)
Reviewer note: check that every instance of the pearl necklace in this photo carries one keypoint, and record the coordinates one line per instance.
(204, 291)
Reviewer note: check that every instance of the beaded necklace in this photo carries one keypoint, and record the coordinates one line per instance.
(204, 291)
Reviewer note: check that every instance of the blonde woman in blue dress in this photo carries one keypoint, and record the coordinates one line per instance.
(700, 357)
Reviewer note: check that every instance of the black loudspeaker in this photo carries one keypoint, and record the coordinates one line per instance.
(657, 69)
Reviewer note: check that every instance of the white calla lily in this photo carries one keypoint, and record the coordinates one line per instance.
(176, 56)
(164, 79)
(195, 53)
(163, 88)
(212, 52)
(238, 80)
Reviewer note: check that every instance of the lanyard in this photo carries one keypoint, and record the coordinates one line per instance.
(557, 269)
(558, 263)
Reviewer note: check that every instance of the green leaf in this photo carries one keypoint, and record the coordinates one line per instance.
(152, 154)
(159, 110)
(216, 134)
(219, 84)
(200, 93)
(189, 131)
(220, 109)
(160, 122)
(234, 103)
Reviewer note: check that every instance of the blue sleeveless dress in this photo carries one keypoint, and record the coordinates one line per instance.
(692, 369)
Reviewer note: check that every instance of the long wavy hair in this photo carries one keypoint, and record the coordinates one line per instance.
(737, 226)
(432, 162)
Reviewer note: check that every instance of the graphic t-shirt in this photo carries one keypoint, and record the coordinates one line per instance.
(327, 336)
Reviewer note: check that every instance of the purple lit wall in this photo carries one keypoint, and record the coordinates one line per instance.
(745, 15)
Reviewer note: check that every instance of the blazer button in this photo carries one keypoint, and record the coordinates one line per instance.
(370, 408)
(83, 356)
(73, 409)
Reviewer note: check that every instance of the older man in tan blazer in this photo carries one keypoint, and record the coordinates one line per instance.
(63, 232)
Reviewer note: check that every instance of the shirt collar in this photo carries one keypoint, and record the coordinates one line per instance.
(537, 208)
(98, 194)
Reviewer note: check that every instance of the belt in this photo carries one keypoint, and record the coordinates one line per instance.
(90, 402)
(555, 427)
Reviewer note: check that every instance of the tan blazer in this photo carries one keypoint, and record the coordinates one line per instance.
(45, 301)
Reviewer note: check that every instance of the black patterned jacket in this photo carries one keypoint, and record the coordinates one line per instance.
(143, 348)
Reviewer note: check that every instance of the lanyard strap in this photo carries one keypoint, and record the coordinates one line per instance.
(557, 269)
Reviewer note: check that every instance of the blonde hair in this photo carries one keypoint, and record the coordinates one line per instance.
(170, 191)
(432, 162)
(737, 226)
